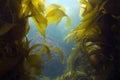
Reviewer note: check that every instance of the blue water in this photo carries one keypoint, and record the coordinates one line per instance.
(55, 36)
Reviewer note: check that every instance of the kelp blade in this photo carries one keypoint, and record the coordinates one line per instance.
(59, 51)
(55, 13)
(37, 12)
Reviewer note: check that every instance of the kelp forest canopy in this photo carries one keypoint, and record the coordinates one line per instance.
(97, 38)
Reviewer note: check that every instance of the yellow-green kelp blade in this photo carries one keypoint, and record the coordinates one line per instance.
(55, 13)
(59, 51)
(45, 49)
(41, 24)
(68, 23)
(37, 12)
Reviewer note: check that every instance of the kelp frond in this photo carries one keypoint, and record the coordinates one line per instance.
(60, 52)
(96, 38)
(47, 49)
(89, 19)
(45, 16)
(55, 13)
(41, 15)
(37, 12)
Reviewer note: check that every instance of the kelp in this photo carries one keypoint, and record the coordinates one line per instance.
(45, 16)
(33, 61)
(18, 60)
(96, 38)
(47, 49)
(55, 13)
(38, 17)
(77, 67)
(60, 52)
(38, 12)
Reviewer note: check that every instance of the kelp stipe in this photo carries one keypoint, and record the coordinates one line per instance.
(97, 37)
(17, 61)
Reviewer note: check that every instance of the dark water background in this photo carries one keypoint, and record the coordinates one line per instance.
(55, 36)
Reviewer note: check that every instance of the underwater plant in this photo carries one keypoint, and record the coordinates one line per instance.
(17, 60)
(97, 37)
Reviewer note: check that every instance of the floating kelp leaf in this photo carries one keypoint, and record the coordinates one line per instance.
(59, 51)
(42, 51)
(5, 28)
(68, 21)
(54, 6)
(41, 24)
(57, 22)
(38, 16)
(39, 5)
(55, 13)
(45, 49)
(48, 51)
(34, 47)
